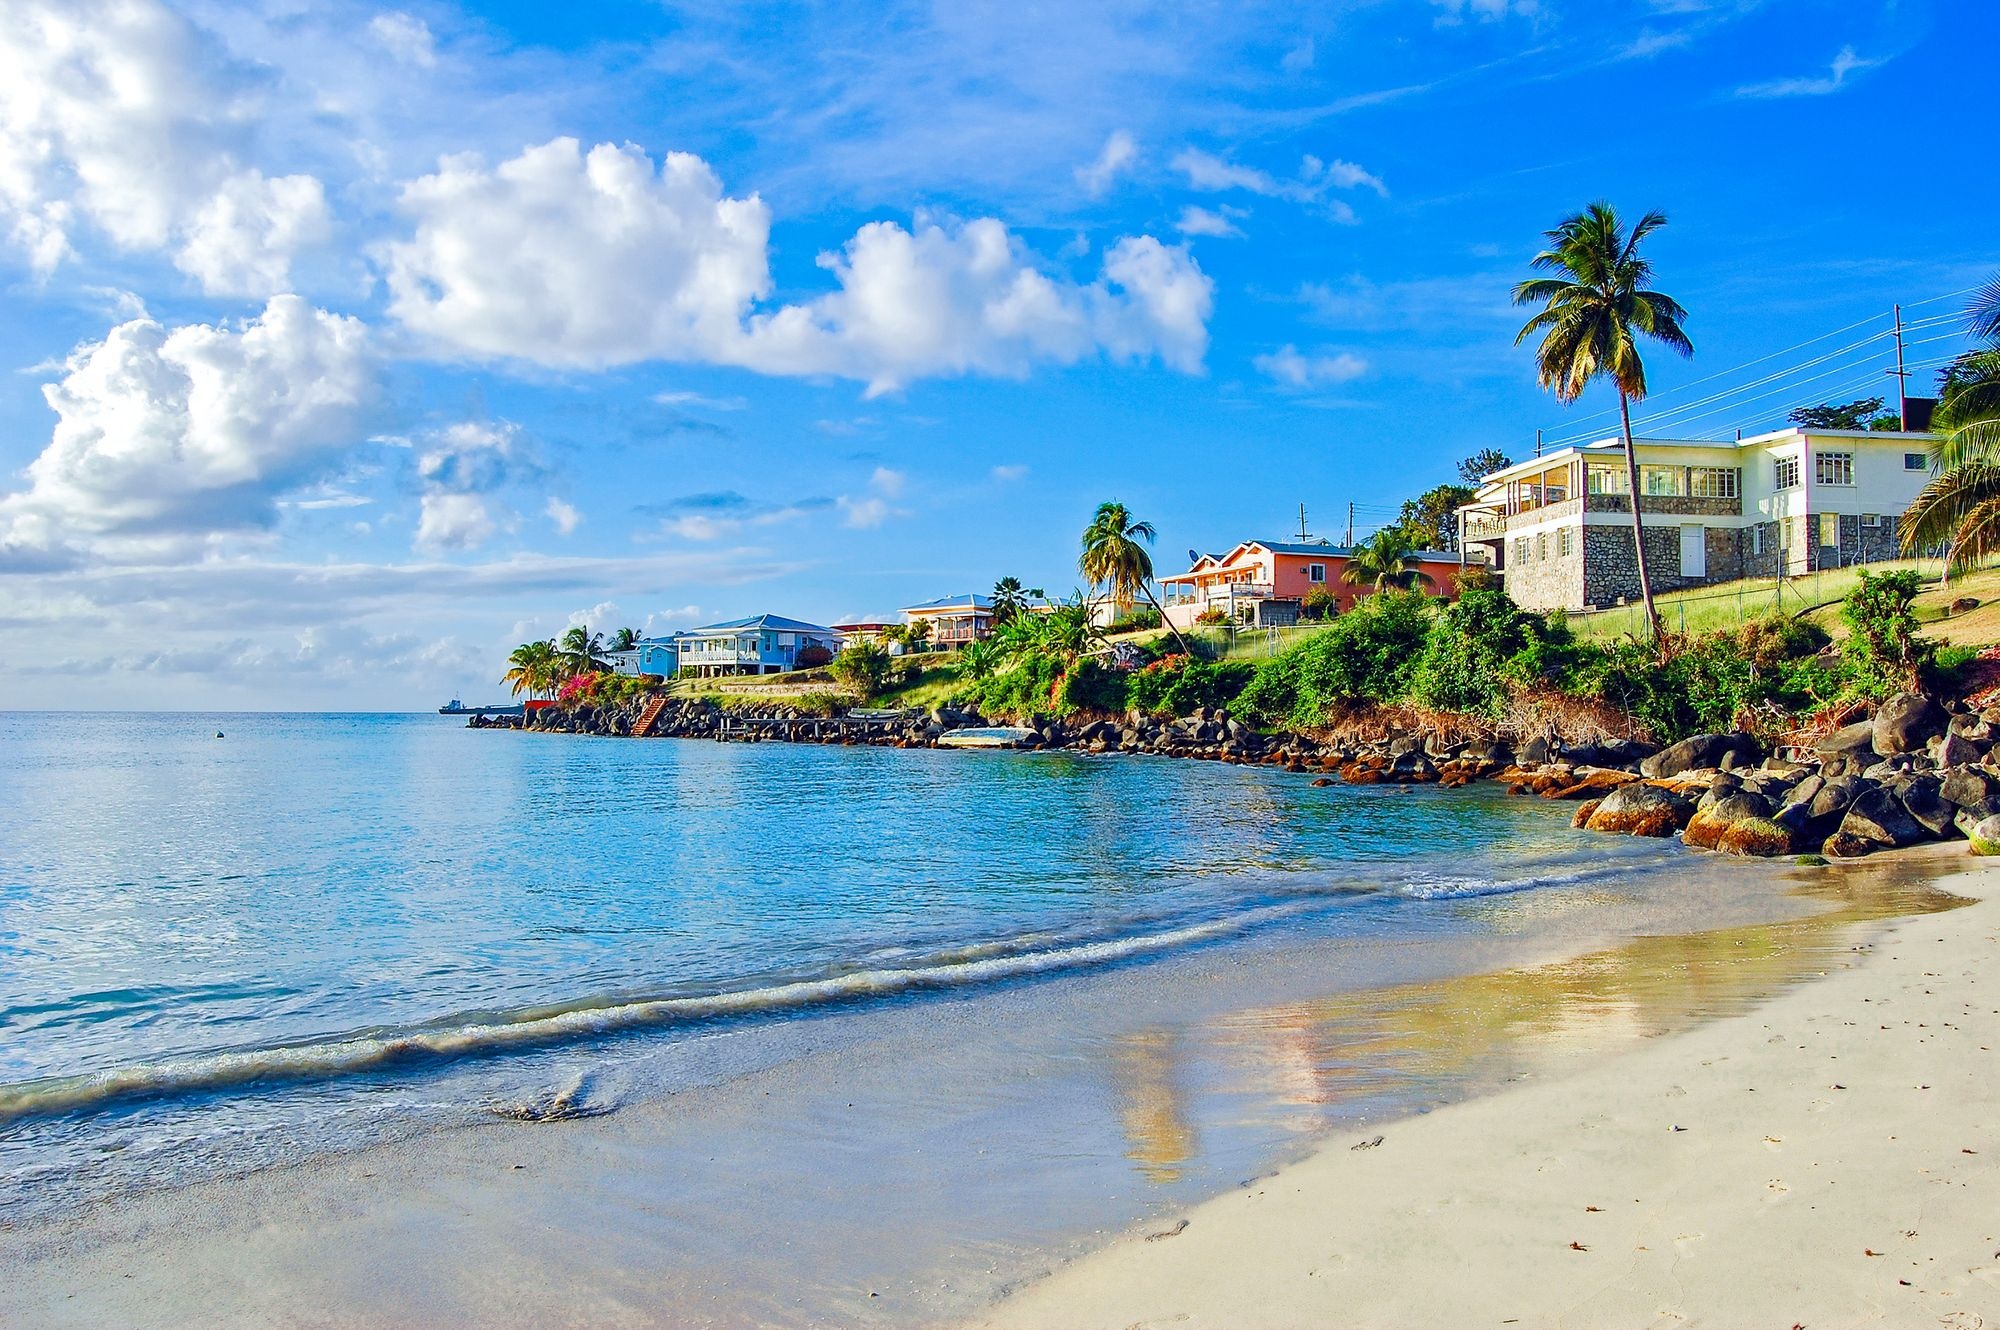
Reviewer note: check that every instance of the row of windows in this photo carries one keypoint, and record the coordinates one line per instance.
(1829, 469)
(1539, 545)
(1671, 482)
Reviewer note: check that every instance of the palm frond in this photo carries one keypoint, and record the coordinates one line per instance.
(1983, 314)
(1939, 509)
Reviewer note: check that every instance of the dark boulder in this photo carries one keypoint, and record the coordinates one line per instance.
(1848, 741)
(1972, 789)
(1534, 752)
(1698, 752)
(1879, 820)
(1905, 723)
(1921, 800)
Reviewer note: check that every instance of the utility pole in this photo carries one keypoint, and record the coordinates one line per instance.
(1538, 443)
(1304, 535)
(1902, 378)
(1350, 526)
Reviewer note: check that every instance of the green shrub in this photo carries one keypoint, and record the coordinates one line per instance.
(1471, 644)
(863, 668)
(1177, 685)
(1883, 647)
(1371, 652)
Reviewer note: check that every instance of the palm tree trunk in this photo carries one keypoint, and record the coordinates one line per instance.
(1638, 526)
(1179, 641)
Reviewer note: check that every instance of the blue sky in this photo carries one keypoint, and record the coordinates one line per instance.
(351, 345)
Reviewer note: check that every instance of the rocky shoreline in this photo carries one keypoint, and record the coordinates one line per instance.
(1914, 771)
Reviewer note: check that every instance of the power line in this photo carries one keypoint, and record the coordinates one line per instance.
(1928, 322)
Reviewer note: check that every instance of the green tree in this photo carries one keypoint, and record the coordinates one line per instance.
(625, 639)
(1386, 561)
(1431, 519)
(978, 660)
(1115, 557)
(1960, 508)
(1592, 315)
(1883, 645)
(1009, 600)
(582, 652)
(1483, 464)
(532, 668)
(1848, 415)
(862, 668)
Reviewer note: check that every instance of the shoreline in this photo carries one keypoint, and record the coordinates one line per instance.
(1824, 1159)
(316, 1233)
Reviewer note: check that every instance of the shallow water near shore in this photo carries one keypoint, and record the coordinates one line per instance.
(774, 1035)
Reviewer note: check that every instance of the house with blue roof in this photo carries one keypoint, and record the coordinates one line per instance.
(767, 644)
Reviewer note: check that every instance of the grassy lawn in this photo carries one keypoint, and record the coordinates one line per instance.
(1728, 604)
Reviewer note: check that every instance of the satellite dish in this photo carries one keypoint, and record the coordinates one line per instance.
(1194, 557)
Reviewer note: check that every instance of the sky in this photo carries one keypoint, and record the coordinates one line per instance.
(348, 346)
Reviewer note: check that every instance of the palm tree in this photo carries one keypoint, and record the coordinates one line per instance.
(1009, 600)
(1069, 630)
(1961, 507)
(582, 652)
(978, 660)
(625, 639)
(1387, 561)
(1114, 557)
(1592, 317)
(531, 668)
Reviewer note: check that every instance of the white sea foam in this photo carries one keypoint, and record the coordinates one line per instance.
(375, 1050)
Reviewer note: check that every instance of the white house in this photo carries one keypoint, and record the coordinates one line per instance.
(1559, 527)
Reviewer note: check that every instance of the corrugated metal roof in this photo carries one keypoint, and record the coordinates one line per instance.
(774, 622)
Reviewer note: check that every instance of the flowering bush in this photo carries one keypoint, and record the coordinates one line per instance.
(578, 688)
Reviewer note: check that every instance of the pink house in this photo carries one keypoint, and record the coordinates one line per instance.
(1263, 582)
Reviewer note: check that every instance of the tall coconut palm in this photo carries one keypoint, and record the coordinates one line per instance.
(1593, 314)
(582, 652)
(625, 639)
(1960, 508)
(1387, 561)
(1114, 557)
(531, 669)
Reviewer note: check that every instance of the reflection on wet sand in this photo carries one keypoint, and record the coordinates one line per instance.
(1306, 1064)
(1152, 1106)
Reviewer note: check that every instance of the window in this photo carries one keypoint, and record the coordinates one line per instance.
(1662, 481)
(1915, 462)
(1315, 572)
(1757, 540)
(1833, 468)
(1607, 480)
(1565, 543)
(1829, 529)
(1541, 545)
(1520, 549)
(1715, 482)
(1788, 473)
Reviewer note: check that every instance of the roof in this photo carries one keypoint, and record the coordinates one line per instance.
(851, 625)
(774, 622)
(1319, 549)
(969, 601)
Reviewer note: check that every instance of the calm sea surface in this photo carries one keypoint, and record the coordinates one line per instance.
(326, 931)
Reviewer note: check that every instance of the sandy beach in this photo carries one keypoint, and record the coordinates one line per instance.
(1829, 1159)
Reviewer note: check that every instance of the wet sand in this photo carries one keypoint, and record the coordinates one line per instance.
(904, 1165)
(1828, 1159)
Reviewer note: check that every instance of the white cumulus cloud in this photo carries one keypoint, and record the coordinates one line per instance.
(166, 435)
(1196, 221)
(463, 468)
(588, 260)
(122, 116)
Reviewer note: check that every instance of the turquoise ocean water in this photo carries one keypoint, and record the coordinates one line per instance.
(320, 930)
